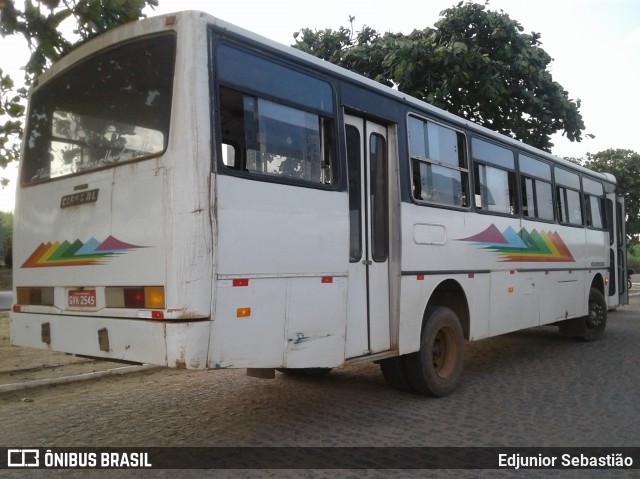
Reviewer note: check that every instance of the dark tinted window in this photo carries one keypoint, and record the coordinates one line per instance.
(354, 153)
(110, 108)
(380, 197)
(261, 75)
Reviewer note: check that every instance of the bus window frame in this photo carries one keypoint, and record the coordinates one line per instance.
(217, 39)
(528, 175)
(465, 172)
(120, 45)
(511, 180)
(587, 196)
(567, 187)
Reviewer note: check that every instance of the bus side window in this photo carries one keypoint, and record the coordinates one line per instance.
(569, 197)
(569, 206)
(594, 203)
(271, 140)
(535, 187)
(495, 178)
(593, 206)
(537, 199)
(439, 163)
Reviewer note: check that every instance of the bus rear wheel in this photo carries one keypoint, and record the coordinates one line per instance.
(590, 327)
(394, 372)
(436, 369)
(596, 320)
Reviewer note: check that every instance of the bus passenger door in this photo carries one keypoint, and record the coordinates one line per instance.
(618, 294)
(368, 329)
(621, 245)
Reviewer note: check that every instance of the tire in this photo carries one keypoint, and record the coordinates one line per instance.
(596, 320)
(395, 373)
(308, 372)
(436, 369)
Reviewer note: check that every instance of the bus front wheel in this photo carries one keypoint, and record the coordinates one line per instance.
(436, 369)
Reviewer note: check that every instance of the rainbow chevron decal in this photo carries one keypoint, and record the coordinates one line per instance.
(523, 246)
(93, 252)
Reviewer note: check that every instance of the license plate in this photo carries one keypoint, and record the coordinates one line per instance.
(82, 298)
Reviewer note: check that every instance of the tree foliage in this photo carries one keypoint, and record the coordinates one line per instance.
(624, 165)
(11, 113)
(41, 24)
(475, 63)
(44, 24)
(6, 237)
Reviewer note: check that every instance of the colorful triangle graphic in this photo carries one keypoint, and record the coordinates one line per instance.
(524, 246)
(93, 252)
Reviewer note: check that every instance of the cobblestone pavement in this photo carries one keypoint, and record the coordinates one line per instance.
(531, 388)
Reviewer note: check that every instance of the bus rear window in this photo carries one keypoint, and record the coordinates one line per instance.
(111, 108)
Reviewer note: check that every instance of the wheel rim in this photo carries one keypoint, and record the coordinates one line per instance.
(444, 352)
(595, 319)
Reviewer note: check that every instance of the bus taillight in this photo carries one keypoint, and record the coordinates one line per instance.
(154, 297)
(34, 296)
(135, 297)
(148, 297)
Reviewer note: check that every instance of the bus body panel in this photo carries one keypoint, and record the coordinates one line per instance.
(148, 221)
(181, 345)
(286, 261)
(293, 322)
(258, 222)
(455, 245)
(132, 241)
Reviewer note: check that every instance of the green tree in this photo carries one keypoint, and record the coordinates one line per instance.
(6, 237)
(11, 113)
(475, 63)
(43, 24)
(624, 165)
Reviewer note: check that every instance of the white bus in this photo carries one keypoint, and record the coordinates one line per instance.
(195, 196)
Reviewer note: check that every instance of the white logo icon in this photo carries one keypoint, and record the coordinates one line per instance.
(23, 458)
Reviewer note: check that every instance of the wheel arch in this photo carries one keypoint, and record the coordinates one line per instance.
(598, 283)
(450, 294)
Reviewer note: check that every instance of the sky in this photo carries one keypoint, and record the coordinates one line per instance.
(595, 45)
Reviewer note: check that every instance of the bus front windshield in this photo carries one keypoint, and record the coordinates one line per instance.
(111, 108)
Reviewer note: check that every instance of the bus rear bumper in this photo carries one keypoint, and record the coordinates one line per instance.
(181, 345)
